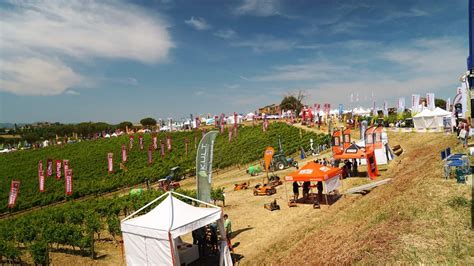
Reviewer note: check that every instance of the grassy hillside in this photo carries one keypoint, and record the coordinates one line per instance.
(418, 218)
(89, 162)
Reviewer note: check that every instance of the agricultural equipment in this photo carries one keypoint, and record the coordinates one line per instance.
(240, 186)
(280, 161)
(273, 206)
(171, 180)
(274, 181)
(264, 190)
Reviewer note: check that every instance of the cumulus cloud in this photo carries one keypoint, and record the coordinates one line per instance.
(262, 8)
(198, 23)
(74, 32)
(226, 34)
(37, 76)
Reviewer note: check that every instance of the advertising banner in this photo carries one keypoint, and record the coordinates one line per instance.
(14, 190)
(204, 158)
(58, 169)
(168, 142)
(140, 141)
(150, 155)
(124, 153)
(130, 144)
(267, 157)
(110, 162)
(430, 101)
(49, 167)
(41, 181)
(68, 182)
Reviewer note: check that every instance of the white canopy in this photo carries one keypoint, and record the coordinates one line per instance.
(149, 239)
(428, 119)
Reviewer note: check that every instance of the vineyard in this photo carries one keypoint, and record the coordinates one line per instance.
(88, 160)
(72, 226)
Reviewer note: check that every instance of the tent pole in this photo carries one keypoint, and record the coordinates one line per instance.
(139, 210)
(286, 193)
(326, 193)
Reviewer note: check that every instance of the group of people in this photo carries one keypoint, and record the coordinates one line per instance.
(462, 129)
(350, 168)
(206, 238)
(306, 188)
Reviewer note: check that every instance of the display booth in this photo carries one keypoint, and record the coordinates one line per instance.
(356, 152)
(154, 238)
(314, 172)
(431, 119)
(336, 142)
(377, 139)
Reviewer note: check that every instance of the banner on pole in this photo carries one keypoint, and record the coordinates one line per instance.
(68, 182)
(110, 162)
(132, 138)
(162, 145)
(155, 141)
(430, 101)
(58, 169)
(49, 167)
(65, 166)
(168, 142)
(140, 140)
(150, 154)
(204, 158)
(14, 190)
(124, 153)
(268, 157)
(41, 181)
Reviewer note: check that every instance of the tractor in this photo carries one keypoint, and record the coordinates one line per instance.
(280, 162)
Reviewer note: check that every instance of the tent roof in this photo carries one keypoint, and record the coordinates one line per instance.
(313, 172)
(441, 112)
(425, 113)
(171, 216)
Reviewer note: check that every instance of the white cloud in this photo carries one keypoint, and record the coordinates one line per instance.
(262, 8)
(36, 76)
(76, 31)
(265, 43)
(226, 34)
(72, 92)
(418, 66)
(198, 23)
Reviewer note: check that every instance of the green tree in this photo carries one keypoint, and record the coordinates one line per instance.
(113, 225)
(93, 226)
(123, 125)
(293, 102)
(148, 122)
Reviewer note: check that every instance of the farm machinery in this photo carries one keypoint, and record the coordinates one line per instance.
(263, 190)
(171, 181)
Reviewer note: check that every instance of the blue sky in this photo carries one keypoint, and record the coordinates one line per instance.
(114, 61)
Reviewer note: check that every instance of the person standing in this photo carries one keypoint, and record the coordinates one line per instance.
(306, 185)
(228, 231)
(296, 191)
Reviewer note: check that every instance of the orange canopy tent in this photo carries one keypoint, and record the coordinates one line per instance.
(314, 172)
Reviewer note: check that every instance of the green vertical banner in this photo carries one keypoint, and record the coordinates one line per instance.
(204, 158)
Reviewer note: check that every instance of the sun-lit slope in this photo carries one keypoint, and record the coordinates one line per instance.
(419, 217)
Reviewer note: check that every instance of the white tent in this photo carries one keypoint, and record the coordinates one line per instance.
(428, 119)
(151, 239)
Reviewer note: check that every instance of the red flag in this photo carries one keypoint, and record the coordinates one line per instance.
(124, 153)
(131, 142)
(49, 167)
(41, 181)
(14, 190)
(68, 182)
(150, 152)
(168, 142)
(58, 169)
(110, 162)
(140, 140)
(162, 145)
